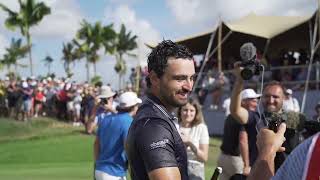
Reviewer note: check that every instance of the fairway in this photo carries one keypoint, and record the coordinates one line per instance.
(47, 149)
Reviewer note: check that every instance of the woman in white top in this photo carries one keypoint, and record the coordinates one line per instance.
(194, 134)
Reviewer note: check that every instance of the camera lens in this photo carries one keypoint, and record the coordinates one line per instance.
(247, 73)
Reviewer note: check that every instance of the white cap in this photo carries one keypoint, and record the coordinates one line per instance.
(289, 91)
(249, 94)
(129, 99)
(106, 92)
(24, 84)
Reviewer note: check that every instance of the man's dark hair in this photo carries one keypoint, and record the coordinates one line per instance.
(158, 58)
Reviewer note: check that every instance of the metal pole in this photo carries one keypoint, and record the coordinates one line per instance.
(266, 48)
(223, 40)
(317, 75)
(219, 49)
(204, 61)
(310, 64)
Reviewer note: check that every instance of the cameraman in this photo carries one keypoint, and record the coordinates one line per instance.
(103, 107)
(272, 101)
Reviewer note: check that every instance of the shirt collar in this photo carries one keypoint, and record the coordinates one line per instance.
(156, 101)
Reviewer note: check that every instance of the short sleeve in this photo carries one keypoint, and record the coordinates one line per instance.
(156, 145)
(204, 136)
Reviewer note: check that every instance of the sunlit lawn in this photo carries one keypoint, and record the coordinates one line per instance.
(46, 149)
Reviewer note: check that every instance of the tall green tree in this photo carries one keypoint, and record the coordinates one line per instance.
(124, 43)
(92, 39)
(14, 52)
(70, 54)
(30, 14)
(48, 60)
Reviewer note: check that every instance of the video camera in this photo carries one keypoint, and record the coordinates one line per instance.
(274, 120)
(103, 101)
(251, 66)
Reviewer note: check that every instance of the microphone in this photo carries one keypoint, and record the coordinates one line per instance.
(248, 51)
(251, 67)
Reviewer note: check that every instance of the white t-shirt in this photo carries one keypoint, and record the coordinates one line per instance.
(199, 135)
(226, 106)
(291, 104)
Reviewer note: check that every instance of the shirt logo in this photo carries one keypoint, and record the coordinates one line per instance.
(159, 144)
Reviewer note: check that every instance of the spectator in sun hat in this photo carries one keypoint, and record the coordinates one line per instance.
(102, 106)
(109, 146)
(290, 103)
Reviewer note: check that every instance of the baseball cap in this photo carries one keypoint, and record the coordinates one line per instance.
(106, 92)
(289, 91)
(128, 99)
(24, 84)
(249, 94)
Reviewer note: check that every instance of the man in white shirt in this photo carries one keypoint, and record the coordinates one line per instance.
(290, 103)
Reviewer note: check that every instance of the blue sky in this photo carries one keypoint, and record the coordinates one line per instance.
(150, 20)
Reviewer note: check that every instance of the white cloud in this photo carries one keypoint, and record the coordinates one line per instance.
(204, 12)
(140, 27)
(63, 21)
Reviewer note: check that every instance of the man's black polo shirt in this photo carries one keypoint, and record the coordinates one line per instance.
(154, 142)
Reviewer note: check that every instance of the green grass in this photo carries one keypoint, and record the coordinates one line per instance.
(47, 149)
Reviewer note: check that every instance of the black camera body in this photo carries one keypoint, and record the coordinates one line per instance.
(103, 101)
(250, 68)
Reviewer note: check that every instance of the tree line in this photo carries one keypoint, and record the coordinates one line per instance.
(90, 38)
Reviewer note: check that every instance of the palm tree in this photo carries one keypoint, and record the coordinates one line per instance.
(48, 61)
(69, 56)
(93, 37)
(123, 44)
(13, 53)
(30, 14)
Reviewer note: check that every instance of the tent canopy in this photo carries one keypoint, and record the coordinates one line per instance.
(266, 26)
(255, 28)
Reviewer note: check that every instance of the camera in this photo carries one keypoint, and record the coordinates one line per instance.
(274, 120)
(251, 66)
(103, 101)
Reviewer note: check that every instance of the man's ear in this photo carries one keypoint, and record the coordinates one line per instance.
(154, 79)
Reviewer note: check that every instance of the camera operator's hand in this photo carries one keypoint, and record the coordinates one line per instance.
(269, 143)
(97, 101)
(237, 69)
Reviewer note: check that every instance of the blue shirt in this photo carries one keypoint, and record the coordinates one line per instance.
(112, 133)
